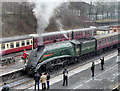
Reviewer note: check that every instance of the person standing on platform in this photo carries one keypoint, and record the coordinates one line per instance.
(48, 80)
(37, 78)
(102, 63)
(24, 55)
(92, 68)
(65, 77)
(43, 81)
(5, 87)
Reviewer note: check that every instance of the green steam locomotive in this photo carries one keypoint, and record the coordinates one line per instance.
(60, 54)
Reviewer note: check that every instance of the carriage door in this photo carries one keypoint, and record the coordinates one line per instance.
(77, 47)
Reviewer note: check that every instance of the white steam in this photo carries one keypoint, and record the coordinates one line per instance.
(43, 11)
(60, 26)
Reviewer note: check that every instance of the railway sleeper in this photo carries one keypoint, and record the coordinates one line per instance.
(6, 61)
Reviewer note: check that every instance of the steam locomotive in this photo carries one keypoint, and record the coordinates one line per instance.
(60, 54)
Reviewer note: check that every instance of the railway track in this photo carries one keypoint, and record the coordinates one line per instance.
(27, 82)
(11, 58)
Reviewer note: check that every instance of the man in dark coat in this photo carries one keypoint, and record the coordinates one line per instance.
(65, 77)
(48, 80)
(5, 87)
(92, 68)
(37, 78)
(102, 63)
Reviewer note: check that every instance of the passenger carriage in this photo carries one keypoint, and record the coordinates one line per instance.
(107, 40)
(15, 44)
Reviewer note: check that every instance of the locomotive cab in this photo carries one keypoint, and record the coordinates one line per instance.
(76, 44)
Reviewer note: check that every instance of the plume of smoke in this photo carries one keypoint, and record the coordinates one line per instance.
(43, 11)
(60, 26)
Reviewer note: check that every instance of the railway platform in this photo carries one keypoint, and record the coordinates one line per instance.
(80, 77)
(11, 71)
(14, 66)
(6, 69)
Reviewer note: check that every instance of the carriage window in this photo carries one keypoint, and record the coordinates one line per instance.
(90, 32)
(94, 32)
(7, 45)
(23, 43)
(3, 46)
(99, 42)
(17, 44)
(108, 40)
(105, 41)
(11, 45)
(111, 39)
(35, 40)
(64, 36)
(31, 41)
(28, 42)
(51, 37)
(102, 42)
(56, 37)
(44, 39)
(116, 37)
(81, 33)
(76, 34)
(60, 37)
(47, 38)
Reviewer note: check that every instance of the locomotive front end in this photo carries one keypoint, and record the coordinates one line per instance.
(34, 57)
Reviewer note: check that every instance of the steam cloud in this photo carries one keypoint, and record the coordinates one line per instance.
(60, 26)
(43, 11)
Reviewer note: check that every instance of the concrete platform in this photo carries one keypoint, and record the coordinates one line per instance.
(7, 69)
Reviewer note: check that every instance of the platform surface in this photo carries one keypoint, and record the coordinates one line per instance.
(6, 69)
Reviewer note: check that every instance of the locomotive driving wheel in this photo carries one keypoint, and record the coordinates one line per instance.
(51, 68)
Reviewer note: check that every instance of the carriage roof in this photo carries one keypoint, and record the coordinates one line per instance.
(106, 35)
(10, 39)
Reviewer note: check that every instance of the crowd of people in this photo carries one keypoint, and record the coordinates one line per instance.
(43, 79)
